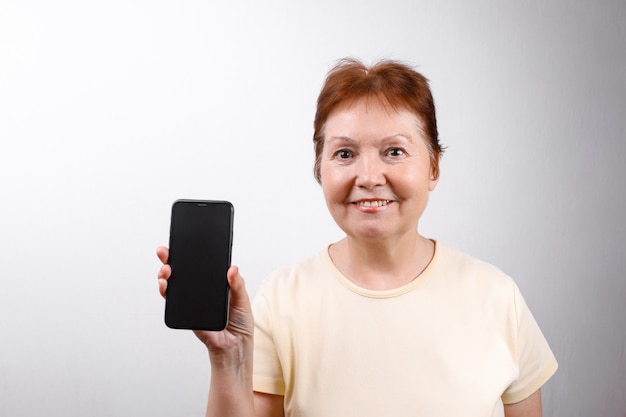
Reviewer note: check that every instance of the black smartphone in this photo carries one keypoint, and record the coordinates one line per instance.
(201, 235)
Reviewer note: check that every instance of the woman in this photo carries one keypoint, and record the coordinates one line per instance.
(384, 322)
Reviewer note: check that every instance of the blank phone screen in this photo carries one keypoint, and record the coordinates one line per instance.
(200, 252)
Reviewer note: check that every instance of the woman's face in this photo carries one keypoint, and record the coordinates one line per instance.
(375, 170)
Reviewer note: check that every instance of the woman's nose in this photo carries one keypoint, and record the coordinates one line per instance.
(370, 171)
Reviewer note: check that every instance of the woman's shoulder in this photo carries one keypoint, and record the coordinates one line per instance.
(468, 279)
(460, 265)
(302, 273)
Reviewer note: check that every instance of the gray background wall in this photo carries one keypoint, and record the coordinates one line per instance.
(109, 111)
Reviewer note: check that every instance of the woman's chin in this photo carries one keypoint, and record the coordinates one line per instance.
(369, 233)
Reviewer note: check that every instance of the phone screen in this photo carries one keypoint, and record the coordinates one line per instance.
(200, 254)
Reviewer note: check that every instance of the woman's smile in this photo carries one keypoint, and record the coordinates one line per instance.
(375, 203)
(372, 206)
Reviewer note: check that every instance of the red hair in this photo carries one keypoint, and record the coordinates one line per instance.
(393, 84)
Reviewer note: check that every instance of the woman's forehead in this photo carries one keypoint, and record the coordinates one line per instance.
(365, 115)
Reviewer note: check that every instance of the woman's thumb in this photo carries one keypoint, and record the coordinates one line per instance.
(238, 294)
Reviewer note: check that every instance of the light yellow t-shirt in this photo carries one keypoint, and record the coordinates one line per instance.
(457, 341)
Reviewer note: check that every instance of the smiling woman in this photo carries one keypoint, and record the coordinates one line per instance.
(384, 321)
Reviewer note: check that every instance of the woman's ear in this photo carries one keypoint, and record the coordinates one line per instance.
(433, 183)
(434, 173)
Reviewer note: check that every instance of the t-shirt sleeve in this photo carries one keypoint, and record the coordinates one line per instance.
(536, 362)
(267, 373)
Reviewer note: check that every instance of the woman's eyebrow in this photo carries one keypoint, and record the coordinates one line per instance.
(389, 138)
(344, 139)
(396, 136)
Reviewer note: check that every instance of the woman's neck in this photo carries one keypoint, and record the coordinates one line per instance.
(382, 265)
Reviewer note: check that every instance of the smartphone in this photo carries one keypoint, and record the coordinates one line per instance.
(201, 236)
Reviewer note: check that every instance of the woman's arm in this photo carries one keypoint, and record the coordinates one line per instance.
(268, 405)
(230, 353)
(530, 407)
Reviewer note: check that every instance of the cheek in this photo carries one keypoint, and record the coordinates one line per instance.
(334, 184)
(413, 182)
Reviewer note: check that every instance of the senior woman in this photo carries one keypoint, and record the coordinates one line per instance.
(384, 322)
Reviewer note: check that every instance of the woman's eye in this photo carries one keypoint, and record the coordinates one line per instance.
(395, 152)
(343, 154)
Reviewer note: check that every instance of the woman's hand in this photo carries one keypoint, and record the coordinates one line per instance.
(237, 337)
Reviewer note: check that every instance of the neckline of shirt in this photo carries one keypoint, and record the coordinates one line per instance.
(394, 292)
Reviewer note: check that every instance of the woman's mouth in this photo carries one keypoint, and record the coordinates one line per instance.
(372, 203)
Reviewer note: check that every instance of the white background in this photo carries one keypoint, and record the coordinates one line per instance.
(111, 110)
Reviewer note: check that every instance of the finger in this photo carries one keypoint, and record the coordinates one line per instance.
(238, 294)
(163, 254)
(164, 272)
(162, 287)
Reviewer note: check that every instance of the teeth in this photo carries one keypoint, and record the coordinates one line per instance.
(373, 203)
